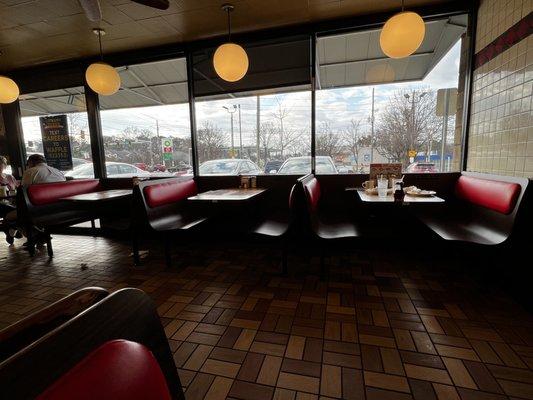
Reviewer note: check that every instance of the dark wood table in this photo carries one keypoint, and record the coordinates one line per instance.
(103, 195)
(371, 198)
(228, 195)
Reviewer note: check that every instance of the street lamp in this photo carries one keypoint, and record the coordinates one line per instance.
(231, 111)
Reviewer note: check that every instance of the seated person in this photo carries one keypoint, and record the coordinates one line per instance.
(39, 171)
(10, 182)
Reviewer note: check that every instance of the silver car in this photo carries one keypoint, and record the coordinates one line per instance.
(113, 169)
(229, 166)
(302, 166)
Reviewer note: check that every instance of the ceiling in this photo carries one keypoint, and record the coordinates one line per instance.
(349, 59)
(35, 32)
(357, 59)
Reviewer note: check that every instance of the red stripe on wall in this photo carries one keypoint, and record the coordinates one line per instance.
(521, 30)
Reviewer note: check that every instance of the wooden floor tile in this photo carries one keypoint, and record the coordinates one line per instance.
(381, 326)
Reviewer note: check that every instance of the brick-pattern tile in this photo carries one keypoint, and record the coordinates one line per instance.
(380, 328)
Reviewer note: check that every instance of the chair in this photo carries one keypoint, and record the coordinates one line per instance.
(325, 228)
(161, 207)
(116, 349)
(278, 225)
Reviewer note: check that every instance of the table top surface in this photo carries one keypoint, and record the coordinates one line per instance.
(372, 198)
(228, 195)
(101, 195)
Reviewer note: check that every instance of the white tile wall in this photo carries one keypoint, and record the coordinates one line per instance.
(501, 124)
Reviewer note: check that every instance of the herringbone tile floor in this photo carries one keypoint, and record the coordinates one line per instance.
(383, 326)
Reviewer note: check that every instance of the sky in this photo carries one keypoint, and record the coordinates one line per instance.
(335, 106)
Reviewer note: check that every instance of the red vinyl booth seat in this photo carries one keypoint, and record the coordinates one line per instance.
(48, 193)
(117, 370)
(169, 192)
(494, 195)
(312, 193)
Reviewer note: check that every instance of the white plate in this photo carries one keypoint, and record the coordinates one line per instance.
(422, 193)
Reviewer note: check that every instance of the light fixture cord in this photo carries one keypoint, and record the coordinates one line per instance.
(229, 25)
(100, 44)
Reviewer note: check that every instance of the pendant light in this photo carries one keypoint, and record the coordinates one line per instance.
(102, 77)
(402, 34)
(230, 59)
(9, 90)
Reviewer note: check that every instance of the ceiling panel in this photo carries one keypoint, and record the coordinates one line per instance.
(41, 31)
(356, 58)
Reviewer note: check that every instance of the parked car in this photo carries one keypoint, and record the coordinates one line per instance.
(142, 166)
(229, 166)
(272, 166)
(302, 165)
(113, 169)
(422, 167)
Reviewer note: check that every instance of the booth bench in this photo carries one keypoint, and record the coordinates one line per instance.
(161, 206)
(483, 210)
(41, 206)
(115, 349)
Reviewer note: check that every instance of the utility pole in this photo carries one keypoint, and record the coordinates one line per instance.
(258, 127)
(231, 112)
(372, 130)
(444, 128)
(240, 132)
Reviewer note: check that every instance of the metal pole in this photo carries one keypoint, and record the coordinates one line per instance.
(258, 128)
(240, 131)
(444, 128)
(232, 140)
(372, 130)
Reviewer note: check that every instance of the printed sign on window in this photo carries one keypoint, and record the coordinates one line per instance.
(56, 142)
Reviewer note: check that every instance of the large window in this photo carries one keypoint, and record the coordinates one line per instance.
(373, 109)
(269, 133)
(68, 106)
(146, 125)
(261, 123)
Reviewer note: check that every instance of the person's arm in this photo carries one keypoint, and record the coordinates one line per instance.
(27, 177)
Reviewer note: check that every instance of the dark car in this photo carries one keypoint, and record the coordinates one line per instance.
(272, 166)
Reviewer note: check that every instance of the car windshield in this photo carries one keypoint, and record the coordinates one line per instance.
(219, 167)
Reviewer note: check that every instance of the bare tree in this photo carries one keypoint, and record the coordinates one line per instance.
(267, 139)
(354, 139)
(328, 143)
(211, 141)
(280, 114)
(407, 123)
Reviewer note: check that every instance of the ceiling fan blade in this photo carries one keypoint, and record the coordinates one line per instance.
(159, 4)
(92, 9)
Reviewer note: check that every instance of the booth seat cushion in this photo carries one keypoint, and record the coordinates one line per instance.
(312, 194)
(169, 192)
(117, 370)
(495, 195)
(47, 193)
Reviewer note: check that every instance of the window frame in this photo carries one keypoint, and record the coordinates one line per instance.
(72, 73)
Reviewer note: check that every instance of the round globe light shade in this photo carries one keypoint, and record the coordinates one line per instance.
(102, 78)
(402, 34)
(9, 90)
(230, 61)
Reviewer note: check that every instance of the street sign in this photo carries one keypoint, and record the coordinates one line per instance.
(441, 102)
(412, 153)
(167, 149)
